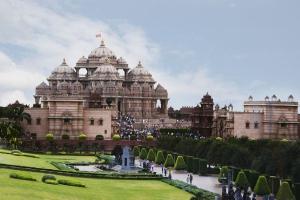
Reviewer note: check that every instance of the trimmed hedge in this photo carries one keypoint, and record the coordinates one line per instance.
(180, 164)
(160, 159)
(196, 165)
(70, 183)
(206, 195)
(140, 176)
(203, 166)
(48, 177)
(285, 192)
(22, 177)
(252, 177)
(151, 155)
(169, 161)
(223, 173)
(262, 187)
(189, 163)
(62, 166)
(274, 184)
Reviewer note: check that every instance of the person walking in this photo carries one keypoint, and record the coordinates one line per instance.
(165, 171)
(188, 178)
(191, 179)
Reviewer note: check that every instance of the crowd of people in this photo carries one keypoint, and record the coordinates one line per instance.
(128, 130)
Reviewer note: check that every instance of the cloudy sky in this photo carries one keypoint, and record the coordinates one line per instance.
(229, 48)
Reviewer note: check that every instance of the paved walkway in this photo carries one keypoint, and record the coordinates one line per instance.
(209, 183)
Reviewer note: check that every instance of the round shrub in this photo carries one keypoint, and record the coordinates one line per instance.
(160, 159)
(136, 151)
(169, 161)
(49, 137)
(285, 192)
(180, 164)
(143, 154)
(48, 177)
(262, 188)
(151, 155)
(242, 181)
(82, 137)
(99, 137)
(65, 137)
(149, 138)
(116, 137)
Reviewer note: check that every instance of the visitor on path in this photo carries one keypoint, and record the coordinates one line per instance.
(165, 171)
(191, 179)
(188, 178)
(162, 169)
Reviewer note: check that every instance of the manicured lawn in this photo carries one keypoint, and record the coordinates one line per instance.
(96, 189)
(43, 161)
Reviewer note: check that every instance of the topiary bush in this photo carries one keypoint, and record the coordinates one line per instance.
(285, 192)
(99, 137)
(143, 154)
(169, 161)
(136, 151)
(180, 164)
(70, 183)
(22, 177)
(82, 137)
(242, 181)
(116, 137)
(252, 177)
(160, 159)
(261, 187)
(151, 155)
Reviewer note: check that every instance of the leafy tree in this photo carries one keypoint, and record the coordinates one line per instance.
(149, 138)
(223, 173)
(143, 154)
(117, 152)
(160, 159)
(169, 161)
(180, 164)
(262, 188)
(49, 137)
(242, 181)
(285, 192)
(116, 137)
(151, 155)
(82, 137)
(136, 151)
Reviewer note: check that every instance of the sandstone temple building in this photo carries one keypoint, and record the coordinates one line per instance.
(73, 102)
(270, 118)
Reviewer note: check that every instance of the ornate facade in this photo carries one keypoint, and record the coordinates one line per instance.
(268, 119)
(89, 97)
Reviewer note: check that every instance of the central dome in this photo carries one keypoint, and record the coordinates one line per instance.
(106, 72)
(102, 51)
(63, 71)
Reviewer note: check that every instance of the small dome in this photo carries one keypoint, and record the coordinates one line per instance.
(82, 60)
(250, 98)
(274, 97)
(63, 72)
(291, 98)
(102, 51)
(267, 98)
(139, 73)
(161, 91)
(121, 61)
(106, 72)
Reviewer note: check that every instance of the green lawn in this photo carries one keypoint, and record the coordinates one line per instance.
(43, 161)
(96, 189)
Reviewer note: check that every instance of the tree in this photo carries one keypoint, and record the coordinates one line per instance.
(143, 154)
(117, 152)
(169, 161)
(116, 137)
(285, 192)
(151, 155)
(242, 181)
(262, 188)
(180, 164)
(149, 138)
(160, 159)
(136, 151)
(223, 174)
(82, 137)
(50, 139)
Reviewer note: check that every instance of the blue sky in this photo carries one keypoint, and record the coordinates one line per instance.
(230, 48)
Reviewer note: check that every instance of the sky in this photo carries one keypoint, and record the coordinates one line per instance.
(228, 48)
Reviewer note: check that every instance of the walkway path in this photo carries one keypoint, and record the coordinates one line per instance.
(209, 183)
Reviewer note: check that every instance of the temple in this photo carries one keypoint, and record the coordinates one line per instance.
(89, 97)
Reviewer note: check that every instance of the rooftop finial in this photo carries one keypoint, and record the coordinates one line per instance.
(140, 64)
(64, 62)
